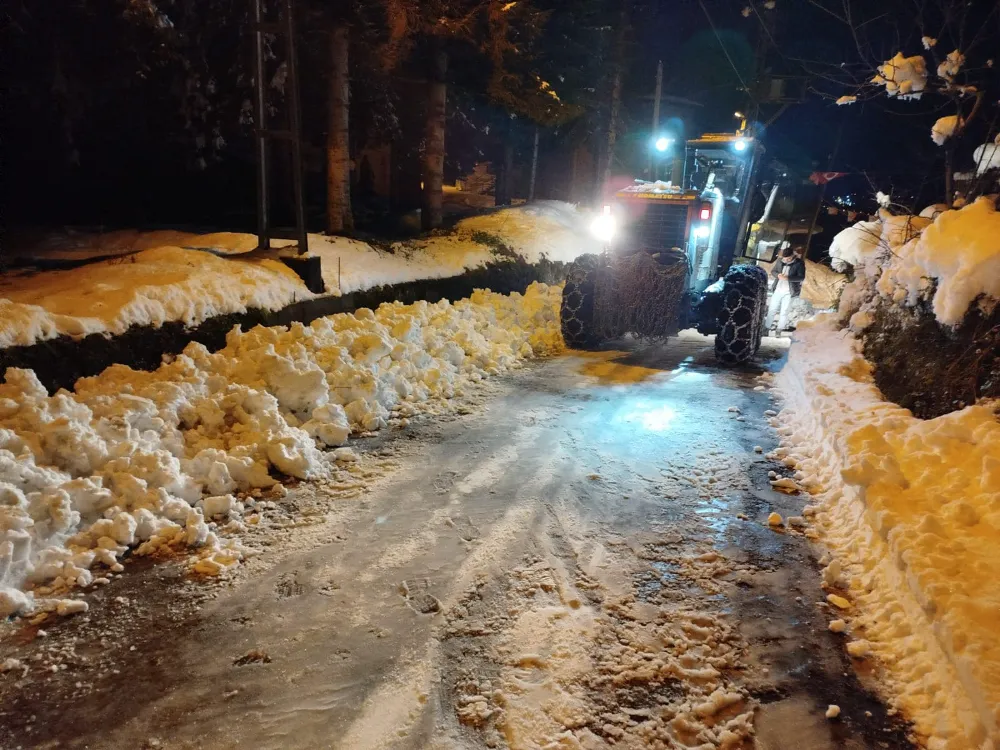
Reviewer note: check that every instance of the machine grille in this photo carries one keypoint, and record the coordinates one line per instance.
(663, 226)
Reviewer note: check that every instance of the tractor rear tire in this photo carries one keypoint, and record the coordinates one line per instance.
(741, 316)
(576, 315)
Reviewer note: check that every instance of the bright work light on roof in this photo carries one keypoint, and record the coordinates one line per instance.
(662, 144)
(740, 145)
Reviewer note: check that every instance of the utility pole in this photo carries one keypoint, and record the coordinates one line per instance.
(656, 115)
(307, 267)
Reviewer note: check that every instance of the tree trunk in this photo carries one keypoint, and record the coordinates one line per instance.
(432, 215)
(338, 150)
(604, 177)
(534, 167)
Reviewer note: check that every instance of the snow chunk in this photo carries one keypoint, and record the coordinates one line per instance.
(67, 607)
(951, 65)
(720, 699)
(838, 601)
(221, 506)
(774, 519)
(945, 128)
(859, 649)
(14, 602)
(903, 77)
(832, 711)
(837, 626)
(846, 100)
(987, 156)
(928, 42)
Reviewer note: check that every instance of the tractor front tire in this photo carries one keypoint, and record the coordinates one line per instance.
(741, 316)
(576, 315)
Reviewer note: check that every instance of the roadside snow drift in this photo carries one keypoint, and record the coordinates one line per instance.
(167, 276)
(961, 250)
(146, 460)
(911, 511)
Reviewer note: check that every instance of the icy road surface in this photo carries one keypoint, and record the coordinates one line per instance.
(579, 559)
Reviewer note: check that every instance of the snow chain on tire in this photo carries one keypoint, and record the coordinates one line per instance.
(576, 315)
(741, 318)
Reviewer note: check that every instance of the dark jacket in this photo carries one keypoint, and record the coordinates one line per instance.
(796, 270)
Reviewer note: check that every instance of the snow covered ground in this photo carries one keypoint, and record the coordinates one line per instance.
(180, 457)
(165, 276)
(911, 512)
(909, 508)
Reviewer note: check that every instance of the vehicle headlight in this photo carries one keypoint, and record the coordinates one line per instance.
(701, 231)
(603, 227)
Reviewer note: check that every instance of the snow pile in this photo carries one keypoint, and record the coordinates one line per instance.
(911, 512)
(868, 243)
(551, 230)
(178, 276)
(961, 251)
(145, 460)
(869, 247)
(659, 186)
(905, 77)
(151, 287)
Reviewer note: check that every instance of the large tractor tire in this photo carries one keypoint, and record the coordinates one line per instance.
(576, 315)
(741, 315)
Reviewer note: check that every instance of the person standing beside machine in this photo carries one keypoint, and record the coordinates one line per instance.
(787, 275)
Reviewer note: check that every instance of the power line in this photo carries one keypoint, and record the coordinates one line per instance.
(726, 53)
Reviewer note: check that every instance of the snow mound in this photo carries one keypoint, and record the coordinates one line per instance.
(171, 276)
(866, 244)
(910, 510)
(961, 251)
(145, 460)
(151, 287)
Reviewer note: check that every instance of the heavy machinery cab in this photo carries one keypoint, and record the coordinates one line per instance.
(701, 220)
(669, 256)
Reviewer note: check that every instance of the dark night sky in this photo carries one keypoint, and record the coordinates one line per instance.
(129, 161)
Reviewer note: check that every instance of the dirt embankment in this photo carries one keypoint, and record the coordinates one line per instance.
(929, 368)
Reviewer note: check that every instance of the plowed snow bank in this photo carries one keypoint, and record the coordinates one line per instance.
(911, 511)
(146, 460)
(169, 276)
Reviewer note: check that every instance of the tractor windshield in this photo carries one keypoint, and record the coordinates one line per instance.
(722, 165)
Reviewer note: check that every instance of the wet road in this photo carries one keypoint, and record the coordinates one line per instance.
(582, 560)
